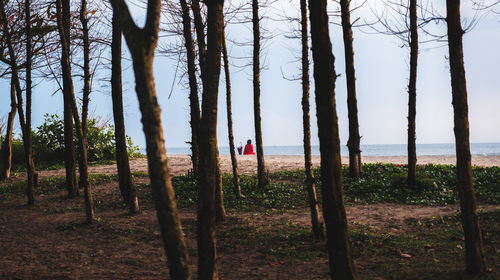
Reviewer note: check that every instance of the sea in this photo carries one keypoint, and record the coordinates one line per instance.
(486, 149)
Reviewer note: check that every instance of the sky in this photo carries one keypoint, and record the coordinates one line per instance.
(381, 71)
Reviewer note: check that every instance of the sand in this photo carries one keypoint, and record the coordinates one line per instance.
(181, 164)
(248, 164)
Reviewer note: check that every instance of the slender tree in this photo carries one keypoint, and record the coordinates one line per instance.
(339, 246)
(412, 95)
(126, 185)
(200, 40)
(22, 120)
(234, 162)
(261, 168)
(194, 103)
(207, 255)
(474, 251)
(142, 43)
(352, 105)
(317, 226)
(6, 152)
(200, 37)
(63, 25)
(82, 127)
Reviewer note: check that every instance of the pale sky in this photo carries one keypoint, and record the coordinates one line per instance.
(381, 71)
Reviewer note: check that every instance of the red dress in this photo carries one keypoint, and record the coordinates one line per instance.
(248, 150)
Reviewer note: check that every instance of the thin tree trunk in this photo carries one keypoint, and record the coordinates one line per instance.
(63, 24)
(200, 33)
(261, 168)
(194, 102)
(474, 250)
(220, 210)
(6, 154)
(412, 96)
(208, 181)
(28, 147)
(142, 43)
(82, 129)
(200, 36)
(317, 225)
(25, 132)
(352, 104)
(126, 185)
(234, 162)
(339, 246)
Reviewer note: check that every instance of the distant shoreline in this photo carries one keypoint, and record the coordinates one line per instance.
(484, 149)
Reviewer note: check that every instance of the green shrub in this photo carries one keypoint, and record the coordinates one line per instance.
(48, 143)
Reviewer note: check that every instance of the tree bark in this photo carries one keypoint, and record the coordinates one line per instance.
(412, 96)
(200, 36)
(220, 210)
(28, 146)
(30, 192)
(208, 181)
(127, 188)
(261, 168)
(194, 102)
(200, 33)
(6, 154)
(317, 225)
(83, 128)
(352, 104)
(142, 43)
(339, 246)
(234, 162)
(63, 24)
(474, 250)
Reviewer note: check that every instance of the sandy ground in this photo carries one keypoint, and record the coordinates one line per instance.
(180, 164)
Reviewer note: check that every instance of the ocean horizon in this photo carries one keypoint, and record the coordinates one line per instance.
(486, 149)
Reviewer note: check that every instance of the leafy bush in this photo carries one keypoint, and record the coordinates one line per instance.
(48, 143)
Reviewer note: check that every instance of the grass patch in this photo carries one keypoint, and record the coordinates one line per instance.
(430, 249)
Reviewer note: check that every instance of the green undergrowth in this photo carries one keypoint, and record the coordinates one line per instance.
(428, 249)
(436, 185)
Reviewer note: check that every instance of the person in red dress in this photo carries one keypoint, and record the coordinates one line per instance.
(248, 148)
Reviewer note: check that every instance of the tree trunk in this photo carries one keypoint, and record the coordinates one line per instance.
(28, 146)
(63, 24)
(339, 246)
(126, 185)
(82, 129)
(194, 102)
(236, 177)
(352, 104)
(412, 96)
(261, 168)
(207, 181)
(474, 251)
(220, 210)
(6, 154)
(200, 36)
(200, 33)
(142, 43)
(317, 225)
(30, 193)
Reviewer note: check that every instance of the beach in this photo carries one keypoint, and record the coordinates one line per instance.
(181, 164)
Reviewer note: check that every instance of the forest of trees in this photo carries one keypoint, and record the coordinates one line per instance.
(63, 41)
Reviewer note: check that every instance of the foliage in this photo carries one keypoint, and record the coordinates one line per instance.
(436, 185)
(48, 143)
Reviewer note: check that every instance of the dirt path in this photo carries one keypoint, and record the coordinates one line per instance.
(51, 240)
